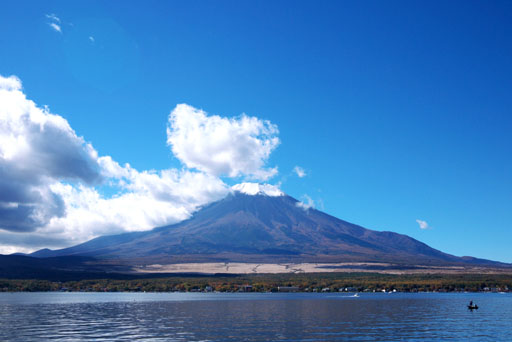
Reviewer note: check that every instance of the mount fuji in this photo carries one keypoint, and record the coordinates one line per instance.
(260, 224)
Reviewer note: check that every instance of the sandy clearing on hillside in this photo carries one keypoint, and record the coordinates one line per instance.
(258, 268)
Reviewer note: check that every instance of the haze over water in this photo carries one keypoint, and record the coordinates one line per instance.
(253, 317)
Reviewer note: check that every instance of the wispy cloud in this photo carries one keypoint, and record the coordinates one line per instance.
(54, 22)
(53, 17)
(423, 224)
(56, 27)
(91, 38)
(299, 171)
(306, 202)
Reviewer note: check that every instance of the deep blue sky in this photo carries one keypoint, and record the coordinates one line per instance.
(397, 110)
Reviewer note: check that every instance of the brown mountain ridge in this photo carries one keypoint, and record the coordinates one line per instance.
(261, 228)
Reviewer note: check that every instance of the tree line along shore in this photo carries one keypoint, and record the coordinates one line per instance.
(312, 282)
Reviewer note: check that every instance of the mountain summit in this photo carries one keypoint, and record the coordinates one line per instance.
(259, 223)
(257, 189)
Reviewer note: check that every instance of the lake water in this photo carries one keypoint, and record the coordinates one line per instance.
(253, 317)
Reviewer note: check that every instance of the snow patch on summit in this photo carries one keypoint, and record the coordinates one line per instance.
(258, 189)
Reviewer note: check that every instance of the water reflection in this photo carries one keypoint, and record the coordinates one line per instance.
(253, 317)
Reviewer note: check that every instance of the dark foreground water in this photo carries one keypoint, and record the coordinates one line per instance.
(253, 317)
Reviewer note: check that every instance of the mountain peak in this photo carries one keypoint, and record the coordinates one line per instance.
(259, 223)
(257, 189)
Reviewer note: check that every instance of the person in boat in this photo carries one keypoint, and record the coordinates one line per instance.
(470, 303)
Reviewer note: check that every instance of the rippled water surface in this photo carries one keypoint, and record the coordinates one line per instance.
(253, 317)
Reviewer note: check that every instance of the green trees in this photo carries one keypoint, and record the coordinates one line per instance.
(268, 282)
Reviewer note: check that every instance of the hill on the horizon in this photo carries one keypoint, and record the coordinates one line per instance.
(262, 227)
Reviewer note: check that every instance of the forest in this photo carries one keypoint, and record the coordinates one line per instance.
(310, 282)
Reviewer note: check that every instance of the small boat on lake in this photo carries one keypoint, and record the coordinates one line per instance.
(472, 306)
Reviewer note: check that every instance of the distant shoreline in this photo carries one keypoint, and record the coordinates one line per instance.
(289, 282)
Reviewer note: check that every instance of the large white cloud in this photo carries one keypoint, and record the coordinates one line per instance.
(222, 146)
(149, 200)
(50, 176)
(36, 149)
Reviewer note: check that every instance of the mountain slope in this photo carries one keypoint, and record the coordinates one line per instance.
(262, 228)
